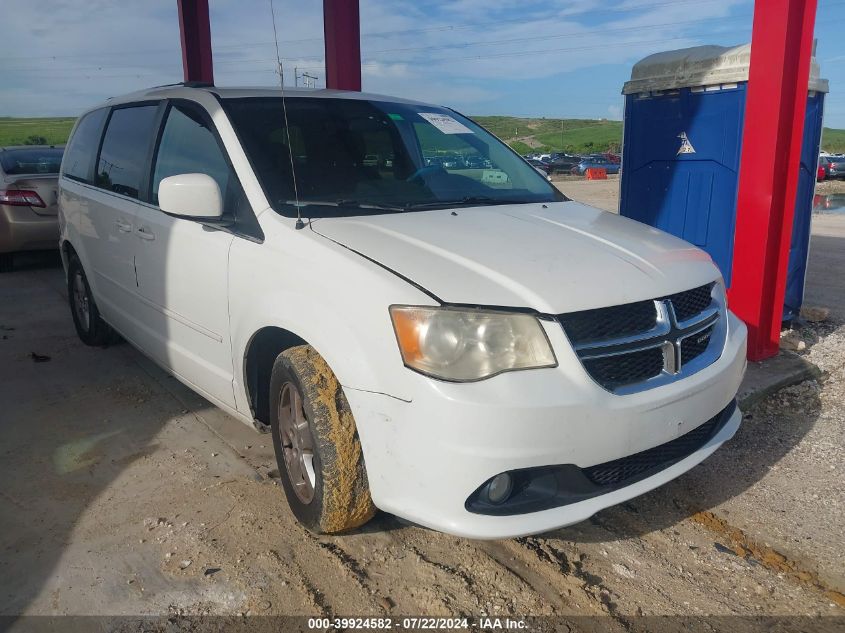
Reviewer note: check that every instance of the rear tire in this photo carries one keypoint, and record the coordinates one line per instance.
(90, 327)
(317, 445)
(7, 262)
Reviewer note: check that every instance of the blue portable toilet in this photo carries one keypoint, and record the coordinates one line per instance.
(684, 113)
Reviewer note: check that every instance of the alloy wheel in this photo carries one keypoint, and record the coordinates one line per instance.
(297, 443)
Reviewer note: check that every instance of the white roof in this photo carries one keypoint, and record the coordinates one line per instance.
(181, 90)
(700, 66)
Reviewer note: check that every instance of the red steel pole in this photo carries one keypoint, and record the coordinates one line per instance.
(195, 31)
(781, 46)
(342, 30)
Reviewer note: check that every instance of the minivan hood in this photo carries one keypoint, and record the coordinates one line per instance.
(554, 257)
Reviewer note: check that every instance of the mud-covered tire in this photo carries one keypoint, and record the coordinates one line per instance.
(340, 498)
(91, 330)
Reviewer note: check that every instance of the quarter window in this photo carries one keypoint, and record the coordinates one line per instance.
(123, 157)
(80, 152)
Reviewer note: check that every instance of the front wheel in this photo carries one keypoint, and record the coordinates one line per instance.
(316, 443)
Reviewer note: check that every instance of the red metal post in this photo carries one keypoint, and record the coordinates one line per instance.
(776, 101)
(195, 30)
(342, 30)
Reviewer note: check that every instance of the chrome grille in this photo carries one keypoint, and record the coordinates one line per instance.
(636, 346)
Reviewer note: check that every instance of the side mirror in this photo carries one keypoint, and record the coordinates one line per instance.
(191, 196)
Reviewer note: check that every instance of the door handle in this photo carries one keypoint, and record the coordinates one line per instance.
(123, 227)
(144, 233)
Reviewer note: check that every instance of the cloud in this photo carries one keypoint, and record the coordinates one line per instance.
(462, 51)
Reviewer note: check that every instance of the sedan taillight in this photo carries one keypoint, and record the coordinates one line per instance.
(21, 198)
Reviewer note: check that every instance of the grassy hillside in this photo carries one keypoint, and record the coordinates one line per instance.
(572, 135)
(524, 135)
(833, 140)
(51, 131)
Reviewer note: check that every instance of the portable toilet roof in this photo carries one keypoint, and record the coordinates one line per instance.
(700, 66)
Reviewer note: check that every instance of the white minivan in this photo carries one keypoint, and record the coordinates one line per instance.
(421, 320)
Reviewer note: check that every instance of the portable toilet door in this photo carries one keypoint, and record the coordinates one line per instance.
(800, 244)
(682, 140)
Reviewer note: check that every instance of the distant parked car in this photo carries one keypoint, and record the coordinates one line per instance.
(822, 170)
(541, 165)
(563, 164)
(449, 161)
(28, 185)
(477, 161)
(835, 166)
(543, 173)
(595, 161)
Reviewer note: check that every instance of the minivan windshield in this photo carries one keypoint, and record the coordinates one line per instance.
(354, 156)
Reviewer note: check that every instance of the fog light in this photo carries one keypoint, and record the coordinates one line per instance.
(500, 488)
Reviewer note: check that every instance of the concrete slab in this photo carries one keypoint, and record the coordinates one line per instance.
(765, 378)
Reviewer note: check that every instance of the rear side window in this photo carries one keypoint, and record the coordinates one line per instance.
(79, 154)
(17, 162)
(123, 158)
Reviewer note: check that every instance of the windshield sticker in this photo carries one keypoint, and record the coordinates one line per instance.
(445, 123)
(396, 117)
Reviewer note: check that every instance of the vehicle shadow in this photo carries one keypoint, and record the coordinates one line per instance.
(34, 260)
(73, 419)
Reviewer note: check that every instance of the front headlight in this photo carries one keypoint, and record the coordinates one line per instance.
(461, 345)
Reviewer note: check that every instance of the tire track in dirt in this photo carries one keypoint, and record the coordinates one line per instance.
(559, 567)
(549, 599)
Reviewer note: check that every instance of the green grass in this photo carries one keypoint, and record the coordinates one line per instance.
(524, 135)
(572, 135)
(833, 140)
(16, 131)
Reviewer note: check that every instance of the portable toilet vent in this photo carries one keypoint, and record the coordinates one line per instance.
(684, 113)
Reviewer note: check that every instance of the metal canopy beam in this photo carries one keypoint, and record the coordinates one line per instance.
(195, 30)
(342, 30)
(781, 45)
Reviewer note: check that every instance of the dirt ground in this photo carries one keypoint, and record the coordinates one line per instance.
(126, 494)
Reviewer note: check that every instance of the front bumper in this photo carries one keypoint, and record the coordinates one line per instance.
(426, 457)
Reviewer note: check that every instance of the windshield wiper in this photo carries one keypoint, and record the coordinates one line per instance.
(344, 203)
(466, 200)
